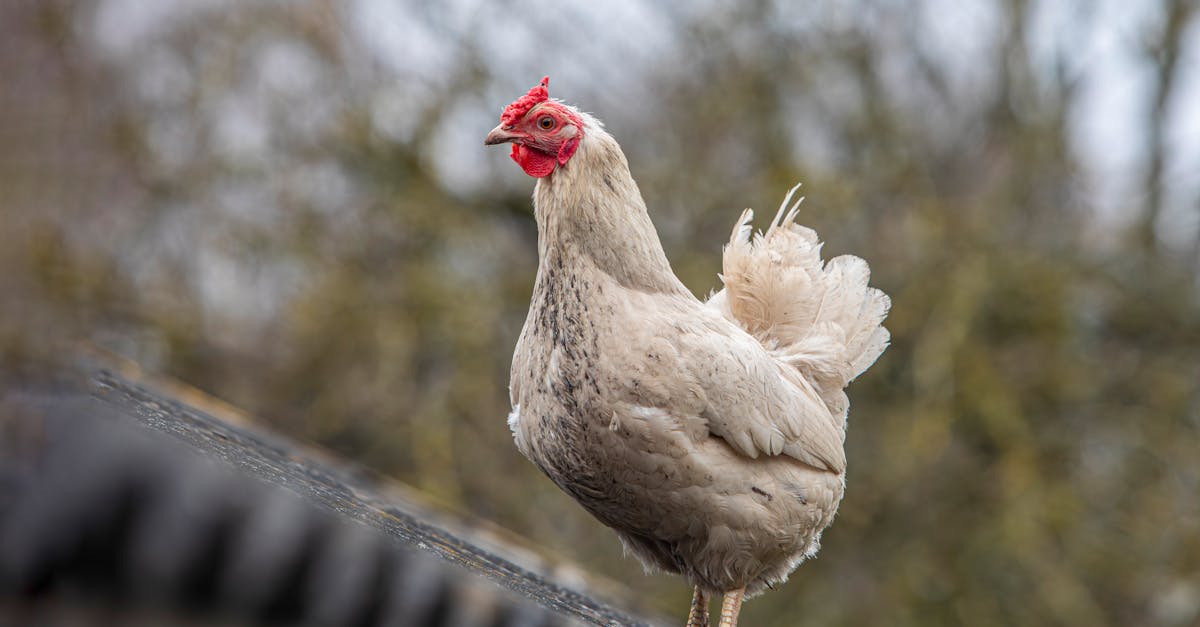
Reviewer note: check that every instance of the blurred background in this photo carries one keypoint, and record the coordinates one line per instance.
(288, 205)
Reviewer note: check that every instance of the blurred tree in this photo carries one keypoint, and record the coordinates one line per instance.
(256, 199)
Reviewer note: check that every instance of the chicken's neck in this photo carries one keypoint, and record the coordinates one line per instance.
(590, 212)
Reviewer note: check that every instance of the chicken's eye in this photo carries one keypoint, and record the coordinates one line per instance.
(546, 122)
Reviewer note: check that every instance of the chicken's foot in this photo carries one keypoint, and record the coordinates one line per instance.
(698, 616)
(731, 605)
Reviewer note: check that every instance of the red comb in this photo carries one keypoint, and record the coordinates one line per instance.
(538, 94)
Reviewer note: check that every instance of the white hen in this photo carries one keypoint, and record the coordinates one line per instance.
(707, 435)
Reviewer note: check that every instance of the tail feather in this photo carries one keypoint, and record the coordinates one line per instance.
(821, 318)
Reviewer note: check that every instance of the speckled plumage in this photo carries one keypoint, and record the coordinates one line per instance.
(707, 435)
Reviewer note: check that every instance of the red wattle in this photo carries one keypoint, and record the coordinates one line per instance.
(535, 162)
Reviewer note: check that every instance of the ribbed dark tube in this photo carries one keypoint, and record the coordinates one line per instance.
(100, 521)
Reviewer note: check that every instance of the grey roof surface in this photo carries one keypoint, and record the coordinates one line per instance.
(115, 495)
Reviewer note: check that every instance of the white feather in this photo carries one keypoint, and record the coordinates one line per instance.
(821, 318)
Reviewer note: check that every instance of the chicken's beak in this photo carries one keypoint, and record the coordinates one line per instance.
(499, 136)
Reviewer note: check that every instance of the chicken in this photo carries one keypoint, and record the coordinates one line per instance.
(708, 435)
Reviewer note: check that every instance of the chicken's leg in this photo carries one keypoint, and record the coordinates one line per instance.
(730, 606)
(698, 616)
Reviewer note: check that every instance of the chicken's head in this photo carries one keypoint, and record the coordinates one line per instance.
(544, 133)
